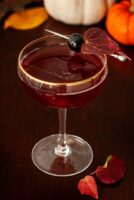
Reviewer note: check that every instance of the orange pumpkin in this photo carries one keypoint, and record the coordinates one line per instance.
(120, 22)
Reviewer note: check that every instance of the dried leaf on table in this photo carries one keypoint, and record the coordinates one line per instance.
(14, 5)
(26, 19)
(113, 170)
(88, 186)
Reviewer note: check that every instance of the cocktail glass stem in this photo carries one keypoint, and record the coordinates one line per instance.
(62, 148)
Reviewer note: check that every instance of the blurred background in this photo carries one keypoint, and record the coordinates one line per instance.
(107, 123)
(117, 16)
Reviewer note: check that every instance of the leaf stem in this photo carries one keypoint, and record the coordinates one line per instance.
(92, 173)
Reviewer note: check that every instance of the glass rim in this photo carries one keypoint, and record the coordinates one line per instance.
(43, 82)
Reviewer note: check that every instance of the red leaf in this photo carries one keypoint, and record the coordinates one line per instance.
(88, 186)
(113, 170)
(97, 41)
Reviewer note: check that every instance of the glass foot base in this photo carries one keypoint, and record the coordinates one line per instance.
(45, 159)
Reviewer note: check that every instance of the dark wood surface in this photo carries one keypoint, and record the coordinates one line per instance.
(107, 123)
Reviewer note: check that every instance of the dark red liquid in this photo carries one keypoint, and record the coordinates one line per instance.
(56, 66)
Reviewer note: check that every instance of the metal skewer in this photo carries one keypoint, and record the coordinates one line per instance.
(55, 33)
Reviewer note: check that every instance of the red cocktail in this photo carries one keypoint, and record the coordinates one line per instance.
(61, 78)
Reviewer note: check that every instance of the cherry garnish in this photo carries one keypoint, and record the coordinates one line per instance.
(75, 40)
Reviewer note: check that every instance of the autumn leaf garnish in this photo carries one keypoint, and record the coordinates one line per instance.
(111, 172)
(26, 19)
(97, 41)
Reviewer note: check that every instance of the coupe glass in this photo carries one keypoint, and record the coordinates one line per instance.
(59, 154)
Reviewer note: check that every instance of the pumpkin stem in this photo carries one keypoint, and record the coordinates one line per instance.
(132, 6)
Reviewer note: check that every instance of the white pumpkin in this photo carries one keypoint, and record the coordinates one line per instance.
(84, 12)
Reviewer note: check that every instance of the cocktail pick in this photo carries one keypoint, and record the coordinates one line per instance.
(94, 41)
(75, 40)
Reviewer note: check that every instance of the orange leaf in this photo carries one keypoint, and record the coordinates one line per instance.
(88, 186)
(26, 19)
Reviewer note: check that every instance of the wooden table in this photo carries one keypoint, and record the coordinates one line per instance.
(107, 123)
